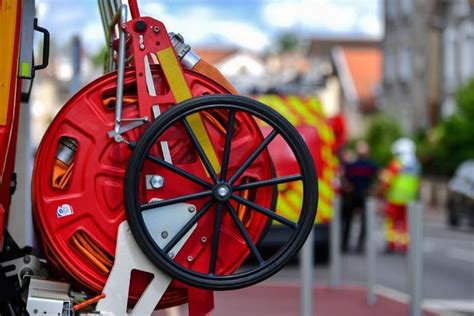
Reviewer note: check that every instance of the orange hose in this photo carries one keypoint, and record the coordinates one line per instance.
(89, 256)
(88, 302)
(208, 70)
(100, 252)
(93, 249)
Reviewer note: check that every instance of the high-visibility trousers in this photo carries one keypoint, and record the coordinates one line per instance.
(395, 225)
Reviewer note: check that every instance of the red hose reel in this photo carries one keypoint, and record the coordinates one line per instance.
(85, 172)
(82, 217)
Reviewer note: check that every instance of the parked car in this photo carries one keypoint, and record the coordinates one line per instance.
(461, 195)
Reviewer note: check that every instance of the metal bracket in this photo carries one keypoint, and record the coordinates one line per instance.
(48, 298)
(27, 265)
(163, 223)
(135, 122)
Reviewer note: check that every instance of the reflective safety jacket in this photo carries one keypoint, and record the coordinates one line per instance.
(401, 181)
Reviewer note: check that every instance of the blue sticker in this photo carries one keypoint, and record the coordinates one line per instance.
(64, 210)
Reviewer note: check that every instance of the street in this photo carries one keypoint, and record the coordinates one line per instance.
(448, 267)
(448, 279)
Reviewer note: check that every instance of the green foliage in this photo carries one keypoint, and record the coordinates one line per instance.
(453, 138)
(288, 41)
(465, 101)
(381, 133)
(99, 58)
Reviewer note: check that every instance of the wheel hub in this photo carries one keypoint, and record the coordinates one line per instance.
(222, 192)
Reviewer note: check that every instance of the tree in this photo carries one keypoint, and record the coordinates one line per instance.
(288, 41)
(381, 133)
(454, 136)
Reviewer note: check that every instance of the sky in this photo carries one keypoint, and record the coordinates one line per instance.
(251, 24)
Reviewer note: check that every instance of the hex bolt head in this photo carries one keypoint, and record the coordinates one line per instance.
(171, 255)
(191, 209)
(190, 258)
(203, 239)
(157, 182)
(164, 234)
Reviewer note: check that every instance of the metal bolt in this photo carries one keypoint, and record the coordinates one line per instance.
(191, 209)
(157, 182)
(222, 191)
(118, 138)
(190, 258)
(164, 234)
(203, 239)
(156, 29)
(171, 255)
(142, 47)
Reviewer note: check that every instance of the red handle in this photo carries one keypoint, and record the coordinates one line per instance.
(133, 4)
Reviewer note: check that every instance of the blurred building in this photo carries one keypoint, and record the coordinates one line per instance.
(245, 70)
(352, 72)
(412, 63)
(359, 73)
(428, 53)
(455, 21)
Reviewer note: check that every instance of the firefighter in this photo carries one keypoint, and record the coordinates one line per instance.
(400, 181)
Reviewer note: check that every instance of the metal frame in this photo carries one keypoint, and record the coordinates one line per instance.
(129, 257)
(114, 16)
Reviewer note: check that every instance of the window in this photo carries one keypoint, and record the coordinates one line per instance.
(405, 71)
(466, 62)
(389, 62)
(391, 9)
(449, 59)
(406, 7)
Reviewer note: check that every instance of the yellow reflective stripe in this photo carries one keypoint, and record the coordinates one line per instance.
(8, 16)
(325, 189)
(173, 74)
(325, 132)
(316, 106)
(328, 175)
(326, 153)
(297, 105)
(324, 211)
(179, 87)
(277, 103)
(283, 207)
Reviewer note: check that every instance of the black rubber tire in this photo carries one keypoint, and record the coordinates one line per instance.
(309, 206)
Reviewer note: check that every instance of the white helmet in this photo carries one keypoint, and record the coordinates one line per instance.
(403, 146)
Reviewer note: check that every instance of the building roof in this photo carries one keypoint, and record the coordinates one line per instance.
(215, 55)
(322, 46)
(360, 71)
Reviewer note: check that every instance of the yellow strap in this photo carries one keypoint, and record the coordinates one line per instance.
(181, 92)
(8, 15)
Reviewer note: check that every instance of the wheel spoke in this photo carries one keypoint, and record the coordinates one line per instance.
(227, 145)
(265, 211)
(202, 154)
(173, 168)
(263, 183)
(176, 200)
(185, 229)
(253, 156)
(244, 233)
(215, 239)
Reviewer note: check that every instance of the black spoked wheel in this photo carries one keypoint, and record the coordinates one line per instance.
(226, 213)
